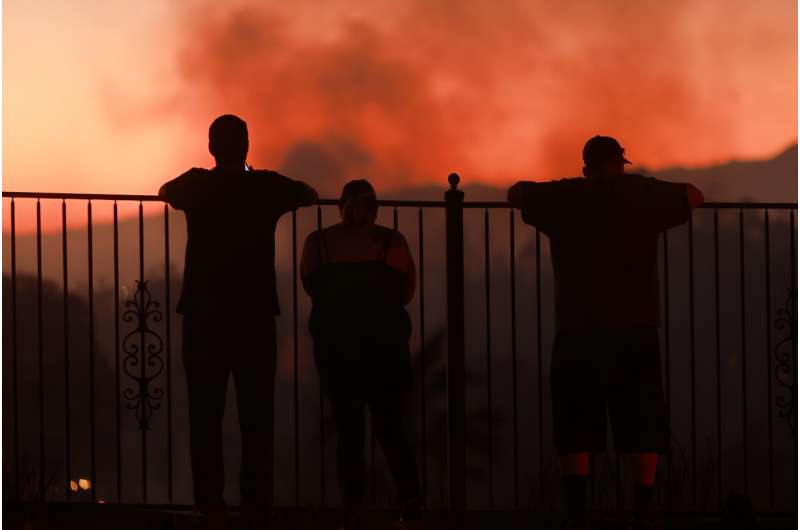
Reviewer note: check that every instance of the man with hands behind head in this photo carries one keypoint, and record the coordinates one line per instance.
(603, 232)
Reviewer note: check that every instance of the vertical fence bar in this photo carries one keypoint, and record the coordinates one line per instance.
(591, 482)
(168, 336)
(768, 308)
(142, 349)
(794, 288)
(539, 358)
(618, 471)
(296, 359)
(322, 412)
(742, 314)
(116, 355)
(423, 360)
(40, 344)
(692, 390)
(67, 422)
(14, 353)
(456, 420)
(793, 283)
(92, 418)
(719, 357)
(513, 259)
(667, 369)
(490, 426)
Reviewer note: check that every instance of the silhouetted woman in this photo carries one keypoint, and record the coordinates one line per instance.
(360, 275)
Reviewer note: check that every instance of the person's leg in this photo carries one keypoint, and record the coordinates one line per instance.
(389, 415)
(206, 383)
(644, 468)
(579, 413)
(575, 464)
(638, 412)
(349, 416)
(575, 478)
(254, 378)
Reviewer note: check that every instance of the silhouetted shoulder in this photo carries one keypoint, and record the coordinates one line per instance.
(558, 184)
(574, 181)
(662, 204)
(266, 173)
(641, 180)
(546, 204)
(396, 251)
(282, 192)
(383, 231)
(179, 191)
(196, 172)
(396, 239)
(315, 237)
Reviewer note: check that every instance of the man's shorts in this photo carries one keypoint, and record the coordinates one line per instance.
(614, 372)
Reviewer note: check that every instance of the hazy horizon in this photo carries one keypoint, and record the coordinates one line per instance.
(117, 97)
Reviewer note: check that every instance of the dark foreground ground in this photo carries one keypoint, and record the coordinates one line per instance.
(90, 517)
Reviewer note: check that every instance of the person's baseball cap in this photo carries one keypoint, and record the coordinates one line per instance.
(601, 148)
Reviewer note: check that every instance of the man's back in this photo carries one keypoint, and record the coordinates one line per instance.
(603, 239)
(230, 252)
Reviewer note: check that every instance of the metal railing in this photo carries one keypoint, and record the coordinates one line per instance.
(145, 357)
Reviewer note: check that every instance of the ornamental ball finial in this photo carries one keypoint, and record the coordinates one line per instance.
(453, 179)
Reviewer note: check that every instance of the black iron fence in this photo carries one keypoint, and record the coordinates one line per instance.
(94, 406)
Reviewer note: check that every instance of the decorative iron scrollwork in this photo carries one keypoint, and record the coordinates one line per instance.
(786, 359)
(142, 348)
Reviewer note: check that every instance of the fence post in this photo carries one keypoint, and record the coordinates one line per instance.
(456, 410)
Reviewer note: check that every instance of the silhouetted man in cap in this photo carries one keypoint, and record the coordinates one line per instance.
(229, 302)
(603, 232)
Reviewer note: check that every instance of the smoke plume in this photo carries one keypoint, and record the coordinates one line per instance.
(405, 93)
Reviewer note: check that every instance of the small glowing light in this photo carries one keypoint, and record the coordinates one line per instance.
(85, 484)
(100, 501)
(73, 485)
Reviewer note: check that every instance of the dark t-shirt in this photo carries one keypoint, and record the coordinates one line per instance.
(603, 243)
(230, 250)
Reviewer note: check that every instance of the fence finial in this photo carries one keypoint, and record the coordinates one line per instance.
(453, 179)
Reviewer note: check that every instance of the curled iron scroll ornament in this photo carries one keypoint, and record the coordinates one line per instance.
(142, 348)
(786, 360)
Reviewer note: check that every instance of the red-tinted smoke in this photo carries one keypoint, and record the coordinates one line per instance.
(496, 91)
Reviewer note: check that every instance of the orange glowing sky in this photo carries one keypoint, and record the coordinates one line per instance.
(116, 96)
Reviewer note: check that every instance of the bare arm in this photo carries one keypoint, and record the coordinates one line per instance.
(694, 195)
(411, 280)
(309, 261)
(399, 257)
(308, 196)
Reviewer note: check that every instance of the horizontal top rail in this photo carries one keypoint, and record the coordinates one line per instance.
(751, 205)
(78, 196)
(156, 198)
(381, 202)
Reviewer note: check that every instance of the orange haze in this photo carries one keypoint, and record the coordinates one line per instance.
(118, 98)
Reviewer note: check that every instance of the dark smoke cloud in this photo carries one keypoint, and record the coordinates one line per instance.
(407, 92)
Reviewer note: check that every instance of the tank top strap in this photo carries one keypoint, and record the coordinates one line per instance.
(385, 248)
(322, 248)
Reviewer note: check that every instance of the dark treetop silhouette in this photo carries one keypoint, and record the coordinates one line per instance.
(359, 276)
(603, 232)
(231, 213)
